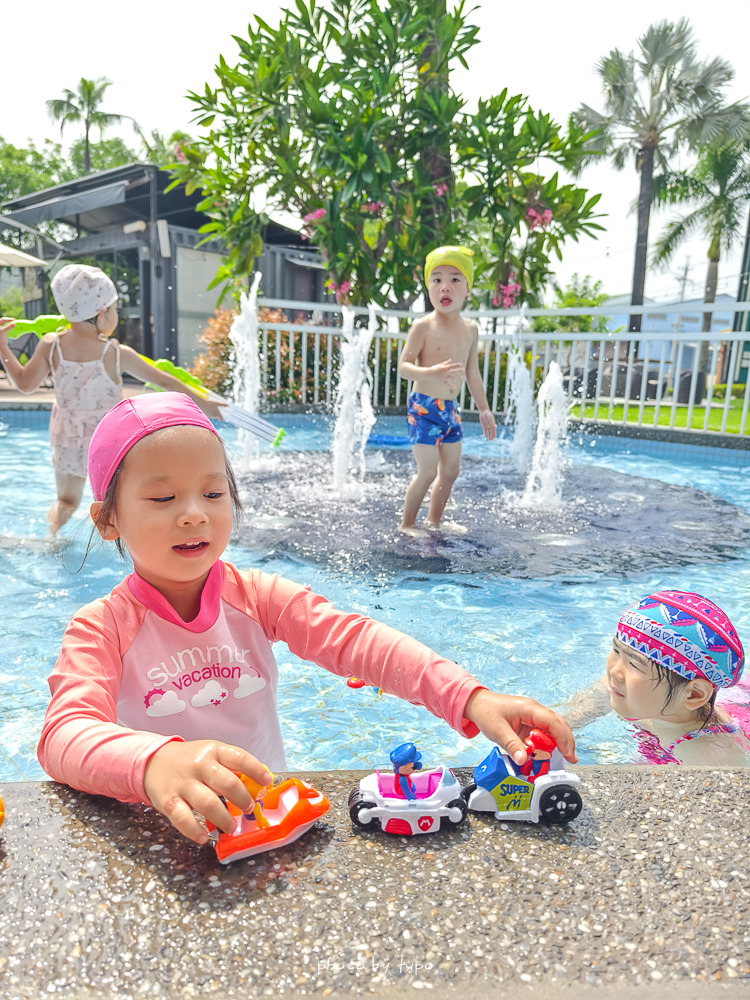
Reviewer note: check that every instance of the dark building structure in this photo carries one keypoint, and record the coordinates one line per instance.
(147, 238)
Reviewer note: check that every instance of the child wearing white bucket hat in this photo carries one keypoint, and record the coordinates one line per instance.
(86, 363)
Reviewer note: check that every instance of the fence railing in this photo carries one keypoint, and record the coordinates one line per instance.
(695, 382)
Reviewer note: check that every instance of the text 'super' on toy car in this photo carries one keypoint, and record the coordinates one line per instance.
(378, 803)
(499, 788)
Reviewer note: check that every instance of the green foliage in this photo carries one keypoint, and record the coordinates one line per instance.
(11, 303)
(164, 150)
(344, 117)
(213, 367)
(584, 293)
(25, 170)
(102, 155)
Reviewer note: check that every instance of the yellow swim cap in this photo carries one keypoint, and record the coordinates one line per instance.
(460, 257)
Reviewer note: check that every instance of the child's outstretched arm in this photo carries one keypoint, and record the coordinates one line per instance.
(476, 388)
(349, 644)
(587, 704)
(28, 377)
(134, 365)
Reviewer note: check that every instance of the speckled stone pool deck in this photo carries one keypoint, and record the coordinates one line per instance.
(648, 887)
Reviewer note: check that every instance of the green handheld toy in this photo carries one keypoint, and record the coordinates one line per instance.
(260, 428)
(39, 326)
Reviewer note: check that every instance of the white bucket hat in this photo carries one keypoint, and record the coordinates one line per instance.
(81, 292)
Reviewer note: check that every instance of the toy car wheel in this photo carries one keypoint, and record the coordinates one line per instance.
(559, 804)
(468, 790)
(460, 805)
(355, 808)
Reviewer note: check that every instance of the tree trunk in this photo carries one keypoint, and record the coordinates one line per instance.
(709, 295)
(436, 158)
(86, 152)
(644, 163)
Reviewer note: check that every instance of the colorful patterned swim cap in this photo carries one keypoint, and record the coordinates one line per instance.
(686, 633)
(460, 257)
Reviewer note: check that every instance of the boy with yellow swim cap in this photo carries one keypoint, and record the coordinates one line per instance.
(439, 354)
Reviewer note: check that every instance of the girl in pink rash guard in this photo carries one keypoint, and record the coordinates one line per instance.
(167, 686)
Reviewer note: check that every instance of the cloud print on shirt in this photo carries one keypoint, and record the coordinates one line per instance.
(168, 704)
(212, 694)
(248, 684)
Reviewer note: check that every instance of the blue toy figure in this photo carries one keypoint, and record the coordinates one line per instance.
(405, 759)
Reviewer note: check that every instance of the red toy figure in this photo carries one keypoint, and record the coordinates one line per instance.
(539, 747)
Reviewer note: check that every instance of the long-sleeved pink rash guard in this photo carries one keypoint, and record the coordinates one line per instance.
(132, 675)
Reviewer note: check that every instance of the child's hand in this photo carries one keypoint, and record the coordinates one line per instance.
(450, 372)
(488, 424)
(6, 325)
(182, 777)
(507, 719)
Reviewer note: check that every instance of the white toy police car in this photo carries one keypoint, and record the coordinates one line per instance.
(379, 802)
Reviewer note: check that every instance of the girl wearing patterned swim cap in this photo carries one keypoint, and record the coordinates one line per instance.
(672, 653)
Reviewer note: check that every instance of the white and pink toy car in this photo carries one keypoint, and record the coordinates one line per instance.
(379, 803)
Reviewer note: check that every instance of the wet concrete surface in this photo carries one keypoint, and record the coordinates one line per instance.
(648, 890)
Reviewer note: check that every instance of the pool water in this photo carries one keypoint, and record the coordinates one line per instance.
(542, 636)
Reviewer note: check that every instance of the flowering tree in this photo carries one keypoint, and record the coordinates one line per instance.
(345, 117)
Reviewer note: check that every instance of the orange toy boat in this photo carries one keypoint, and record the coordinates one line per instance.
(289, 810)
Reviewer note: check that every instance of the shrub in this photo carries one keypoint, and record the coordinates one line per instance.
(214, 367)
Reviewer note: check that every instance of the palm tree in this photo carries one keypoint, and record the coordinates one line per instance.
(82, 105)
(719, 188)
(656, 103)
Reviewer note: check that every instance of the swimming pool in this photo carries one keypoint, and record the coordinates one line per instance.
(540, 633)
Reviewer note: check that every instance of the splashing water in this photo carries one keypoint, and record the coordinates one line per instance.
(353, 405)
(243, 335)
(521, 412)
(544, 484)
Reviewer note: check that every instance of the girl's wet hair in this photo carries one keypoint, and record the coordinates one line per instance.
(109, 504)
(675, 682)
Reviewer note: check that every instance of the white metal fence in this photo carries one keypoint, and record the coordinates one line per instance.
(695, 382)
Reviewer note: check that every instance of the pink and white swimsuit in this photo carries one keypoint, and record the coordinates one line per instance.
(84, 392)
(132, 675)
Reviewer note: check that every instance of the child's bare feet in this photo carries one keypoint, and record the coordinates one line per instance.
(412, 530)
(451, 526)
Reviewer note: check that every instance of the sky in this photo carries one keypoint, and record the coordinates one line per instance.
(156, 52)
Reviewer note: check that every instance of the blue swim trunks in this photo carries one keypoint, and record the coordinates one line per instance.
(433, 421)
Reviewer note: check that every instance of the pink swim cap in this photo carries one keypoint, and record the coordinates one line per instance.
(131, 420)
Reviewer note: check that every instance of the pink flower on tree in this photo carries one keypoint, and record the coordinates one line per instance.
(340, 291)
(374, 207)
(314, 216)
(535, 218)
(179, 154)
(507, 295)
(440, 189)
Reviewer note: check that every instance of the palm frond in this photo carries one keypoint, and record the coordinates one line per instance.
(665, 44)
(714, 122)
(675, 233)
